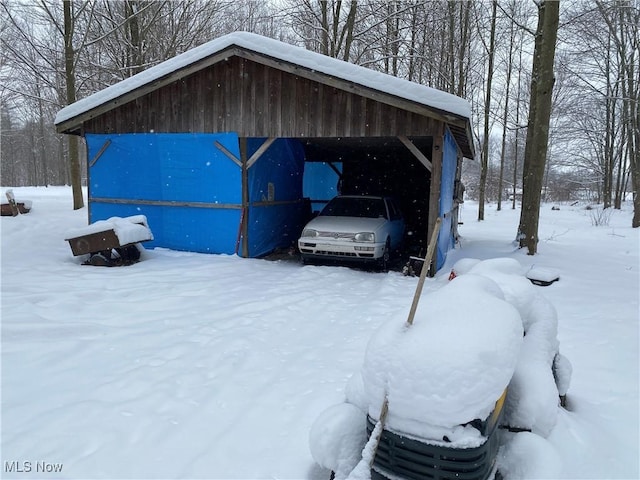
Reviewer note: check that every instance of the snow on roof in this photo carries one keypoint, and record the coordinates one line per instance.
(288, 53)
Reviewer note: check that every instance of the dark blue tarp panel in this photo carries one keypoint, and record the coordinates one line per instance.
(132, 174)
(449, 164)
(275, 178)
(320, 183)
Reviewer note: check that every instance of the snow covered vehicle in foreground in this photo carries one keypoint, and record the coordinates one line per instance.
(480, 363)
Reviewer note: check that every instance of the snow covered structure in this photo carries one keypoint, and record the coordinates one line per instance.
(227, 147)
(493, 357)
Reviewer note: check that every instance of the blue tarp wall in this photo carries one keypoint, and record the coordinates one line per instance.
(276, 178)
(449, 165)
(191, 192)
(320, 183)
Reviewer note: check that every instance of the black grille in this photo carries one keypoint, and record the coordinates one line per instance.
(336, 254)
(404, 457)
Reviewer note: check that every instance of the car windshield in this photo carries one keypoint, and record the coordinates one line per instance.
(364, 207)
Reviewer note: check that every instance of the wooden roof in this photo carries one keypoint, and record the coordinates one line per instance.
(352, 79)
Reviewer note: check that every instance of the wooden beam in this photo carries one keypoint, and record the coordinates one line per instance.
(258, 153)
(267, 203)
(244, 225)
(416, 152)
(163, 203)
(99, 154)
(335, 169)
(228, 153)
(435, 188)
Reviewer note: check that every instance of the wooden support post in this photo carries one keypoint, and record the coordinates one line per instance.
(434, 189)
(244, 227)
(12, 203)
(458, 194)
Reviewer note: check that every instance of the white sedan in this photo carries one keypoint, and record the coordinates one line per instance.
(354, 228)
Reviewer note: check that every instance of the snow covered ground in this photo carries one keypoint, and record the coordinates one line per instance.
(205, 366)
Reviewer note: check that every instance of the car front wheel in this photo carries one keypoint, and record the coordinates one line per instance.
(383, 263)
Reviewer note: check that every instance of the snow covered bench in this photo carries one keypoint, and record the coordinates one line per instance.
(13, 207)
(100, 239)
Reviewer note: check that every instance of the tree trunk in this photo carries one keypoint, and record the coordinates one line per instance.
(538, 126)
(505, 114)
(620, 179)
(624, 31)
(609, 136)
(484, 161)
(516, 146)
(42, 142)
(463, 52)
(69, 64)
(134, 48)
(635, 222)
(324, 25)
(348, 31)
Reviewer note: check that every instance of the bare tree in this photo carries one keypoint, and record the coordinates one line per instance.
(133, 35)
(484, 157)
(56, 52)
(47, 57)
(326, 26)
(70, 82)
(598, 64)
(623, 21)
(446, 44)
(506, 103)
(252, 16)
(538, 125)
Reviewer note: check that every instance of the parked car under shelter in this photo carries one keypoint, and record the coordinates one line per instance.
(365, 229)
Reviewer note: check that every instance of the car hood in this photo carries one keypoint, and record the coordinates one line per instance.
(346, 224)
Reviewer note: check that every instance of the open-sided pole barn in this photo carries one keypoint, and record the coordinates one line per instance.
(227, 147)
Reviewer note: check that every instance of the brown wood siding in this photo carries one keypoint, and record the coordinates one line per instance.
(256, 100)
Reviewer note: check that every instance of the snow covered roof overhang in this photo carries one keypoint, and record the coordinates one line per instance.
(450, 109)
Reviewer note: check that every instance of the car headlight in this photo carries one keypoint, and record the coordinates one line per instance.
(365, 237)
(309, 232)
